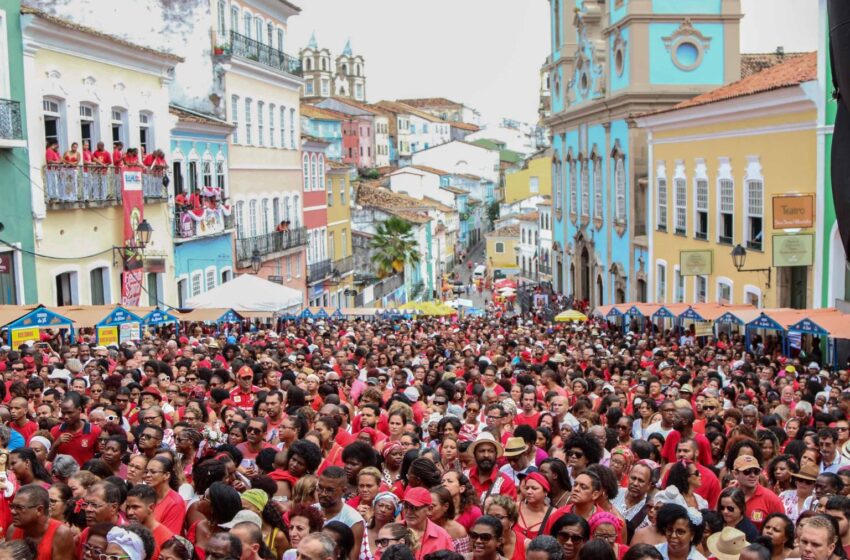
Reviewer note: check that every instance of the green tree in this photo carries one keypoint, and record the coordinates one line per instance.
(493, 212)
(394, 246)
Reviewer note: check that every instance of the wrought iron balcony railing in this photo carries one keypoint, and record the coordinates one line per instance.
(80, 184)
(245, 47)
(11, 126)
(343, 266)
(319, 270)
(269, 243)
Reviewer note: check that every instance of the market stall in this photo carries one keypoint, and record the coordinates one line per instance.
(120, 325)
(25, 326)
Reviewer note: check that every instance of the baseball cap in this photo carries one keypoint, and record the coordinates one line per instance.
(417, 497)
(744, 462)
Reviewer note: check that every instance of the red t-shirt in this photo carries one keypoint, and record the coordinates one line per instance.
(171, 511)
(102, 157)
(761, 504)
(161, 534)
(247, 453)
(83, 442)
(523, 420)
(244, 399)
(27, 430)
(500, 483)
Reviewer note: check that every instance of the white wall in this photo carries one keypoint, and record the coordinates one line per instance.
(460, 157)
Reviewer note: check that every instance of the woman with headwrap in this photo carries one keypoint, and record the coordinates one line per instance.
(121, 543)
(621, 463)
(393, 454)
(385, 508)
(608, 527)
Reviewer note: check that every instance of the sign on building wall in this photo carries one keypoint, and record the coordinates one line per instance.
(793, 211)
(793, 250)
(696, 263)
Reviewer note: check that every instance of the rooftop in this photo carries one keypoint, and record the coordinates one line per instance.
(29, 10)
(437, 204)
(316, 139)
(370, 193)
(430, 102)
(313, 112)
(528, 217)
(426, 169)
(466, 126)
(792, 72)
(188, 115)
(507, 231)
(753, 63)
(337, 164)
(454, 190)
(398, 107)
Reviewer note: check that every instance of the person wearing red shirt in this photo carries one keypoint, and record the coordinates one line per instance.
(430, 536)
(100, 156)
(170, 509)
(118, 154)
(74, 437)
(484, 476)
(139, 506)
(245, 393)
(87, 155)
(20, 422)
(761, 502)
(529, 415)
(31, 518)
(256, 432)
(710, 487)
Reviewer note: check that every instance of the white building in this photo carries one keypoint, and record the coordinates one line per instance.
(459, 157)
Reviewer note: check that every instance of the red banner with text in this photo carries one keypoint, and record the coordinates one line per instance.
(133, 200)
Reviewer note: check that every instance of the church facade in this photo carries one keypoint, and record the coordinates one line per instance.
(345, 76)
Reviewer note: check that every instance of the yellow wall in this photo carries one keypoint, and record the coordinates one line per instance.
(788, 165)
(505, 259)
(517, 184)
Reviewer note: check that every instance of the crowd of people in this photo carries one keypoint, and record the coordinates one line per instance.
(484, 438)
(102, 158)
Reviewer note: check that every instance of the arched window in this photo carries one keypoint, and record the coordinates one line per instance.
(321, 171)
(585, 187)
(597, 188)
(313, 172)
(296, 208)
(620, 188)
(286, 209)
(266, 216)
(306, 171)
(240, 219)
(252, 218)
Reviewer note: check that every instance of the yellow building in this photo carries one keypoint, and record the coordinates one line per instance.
(535, 178)
(735, 169)
(339, 234)
(85, 86)
(502, 249)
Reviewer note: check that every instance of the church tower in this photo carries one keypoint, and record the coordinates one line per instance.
(316, 65)
(350, 79)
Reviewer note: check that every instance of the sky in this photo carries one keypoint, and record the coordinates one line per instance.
(488, 53)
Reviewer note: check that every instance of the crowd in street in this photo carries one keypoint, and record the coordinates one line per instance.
(484, 438)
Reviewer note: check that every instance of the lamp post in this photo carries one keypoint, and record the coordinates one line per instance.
(739, 258)
(144, 231)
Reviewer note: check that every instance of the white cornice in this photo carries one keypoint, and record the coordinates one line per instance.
(781, 101)
(40, 34)
(256, 71)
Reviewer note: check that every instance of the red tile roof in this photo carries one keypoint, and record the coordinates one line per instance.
(403, 206)
(430, 102)
(466, 126)
(507, 231)
(313, 112)
(753, 63)
(793, 72)
(528, 217)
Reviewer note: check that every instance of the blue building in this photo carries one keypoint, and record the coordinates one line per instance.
(609, 62)
(203, 223)
(326, 125)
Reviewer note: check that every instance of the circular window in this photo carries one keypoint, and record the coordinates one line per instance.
(619, 60)
(687, 55)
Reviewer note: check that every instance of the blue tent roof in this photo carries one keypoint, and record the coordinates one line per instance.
(729, 317)
(42, 318)
(663, 313)
(337, 314)
(230, 316)
(159, 317)
(692, 314)
(614, 312)
(322, 314)
(119, 316)
(306, 314)
(765, 322)
(807, 326)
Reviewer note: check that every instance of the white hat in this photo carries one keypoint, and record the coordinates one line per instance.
(813, 365)
(244, 516)
(486, 437)
(60, 373)
(412, 394)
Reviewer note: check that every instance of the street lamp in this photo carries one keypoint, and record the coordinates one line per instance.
(143, 233)
(739, 258)
(256, 261)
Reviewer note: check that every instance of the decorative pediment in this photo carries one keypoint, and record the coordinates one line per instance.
(687, 46)
(686, 29)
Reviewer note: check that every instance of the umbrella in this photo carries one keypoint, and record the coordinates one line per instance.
(570, 315)
(505, 283)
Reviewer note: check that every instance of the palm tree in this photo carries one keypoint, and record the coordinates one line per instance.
(394, 246)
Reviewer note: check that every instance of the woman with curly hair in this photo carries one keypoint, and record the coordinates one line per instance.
(686, 477)
(780, 472)
(505, 510)
(582, 450)
(303, 520)
(304, 458)
(463, 495)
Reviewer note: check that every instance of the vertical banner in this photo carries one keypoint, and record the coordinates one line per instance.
(134, 204)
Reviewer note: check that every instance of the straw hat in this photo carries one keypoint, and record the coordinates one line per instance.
(807, 472)
(486, 437)
(727, 544)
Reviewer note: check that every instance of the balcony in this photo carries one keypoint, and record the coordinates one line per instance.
(268, 244)
(343, 266)
(245, 47)
(74, 186)
(11, 127)
(319, 270)
(188, 225)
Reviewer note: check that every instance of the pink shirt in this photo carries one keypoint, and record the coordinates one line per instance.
(434, 538)
(171, 511)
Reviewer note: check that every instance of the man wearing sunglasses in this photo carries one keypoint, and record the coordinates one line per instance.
(256, 434)
(31, 520)
(761, 501)
(245, 392)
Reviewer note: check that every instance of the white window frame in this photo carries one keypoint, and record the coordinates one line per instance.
(239, 211)
(225, 274)
(305, 163)
(210, 272)
(282, 117)
(5, 87)
(61, 119)
(661, 198)
(556, 178)
(661, 285)
(678, 285)
(292, 128)
(750, 290)
(597, 188)
(727, 282)
(197, 276)
(573, 187)
(314, 171)
(620, 188)
(234, 118)
(253, 215)
(585, 187)
(700, 279)
(272, 108)
(105, 268)
(221, 173)
(680, 200)
(261, 106)
(146, 123)
(121, 121)
(74, 282)
(266, 216)
(753, 178)
(724, 173)
(207, 170)
(93, 123)
(499, 247)
(701, 203)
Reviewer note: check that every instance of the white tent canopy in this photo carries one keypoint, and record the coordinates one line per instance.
(248, 293)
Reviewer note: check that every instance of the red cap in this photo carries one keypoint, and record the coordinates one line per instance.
(183, 340)
(246, 370)
(417, 497)
(152, 390)
(525, 355)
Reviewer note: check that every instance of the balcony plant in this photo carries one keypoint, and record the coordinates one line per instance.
(220, 49)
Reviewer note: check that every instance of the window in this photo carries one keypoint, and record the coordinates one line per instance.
(153, 288)
(286, 208)
(662, 204)
(344, 247)
(88, 125)
(52, 112)
(314, 173)
(196, 283)
(248, 102)
(282, 126)
(219, 174)
(260, 112)
(193, 176)
(620, 189)
(680, 195)
(330, 189)
(325, 88)
(702, 208)
(222, 12)
(206, 172)
(246, 22)
(724, 291)
(66, 289)
(240, 220)
(252, 218)
(321, 163)
(680, 285)
(727, 208)
(267, 225)
(331, 250)
(573, 187)
(177, 173)
(226, 276)
(119, 126)
(296, 210)
(234, 18)
(289, 267)
(306, 171)
(145, 135)
(500, 247)
(275, 212)
(342, 192)
(210, 279)
(292, 129)
(701, 292)
(298, 265)
(755, 204)
(597, 188)
(99, 282)
(234, 118)
(270, 33)
(258, 30)
(556, 178)
(661, 282)
(308, 86)
(271, 124)
(280, 39)
(533, 184)
(585, 187)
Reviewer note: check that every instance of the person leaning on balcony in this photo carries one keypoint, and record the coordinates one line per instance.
(100, 156)
(72, 156)
(131, 157)
(154, 160)
(117, 153)
(87, 155)
(51, 155)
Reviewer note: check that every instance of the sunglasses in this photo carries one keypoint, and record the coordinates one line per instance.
(483, 537)
(569, 537)
(575, 454)
(751, 471)
(730, 509)
(384, 543)
(254, 430)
